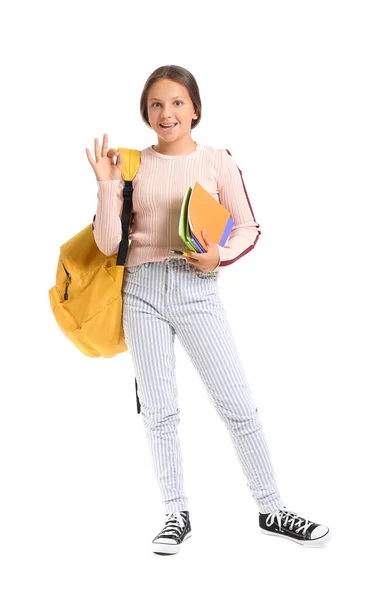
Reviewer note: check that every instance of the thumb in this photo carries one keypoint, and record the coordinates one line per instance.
(206, 238)
(119, 161)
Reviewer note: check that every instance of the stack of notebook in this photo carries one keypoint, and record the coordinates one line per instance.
(201, 211)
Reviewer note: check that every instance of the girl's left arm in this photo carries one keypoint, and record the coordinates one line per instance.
(233, 195)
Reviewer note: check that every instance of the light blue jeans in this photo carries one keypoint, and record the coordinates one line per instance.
(172, 297)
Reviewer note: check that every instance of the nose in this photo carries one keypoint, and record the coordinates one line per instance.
(166, 113)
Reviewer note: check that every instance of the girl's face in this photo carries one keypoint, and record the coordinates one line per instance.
(169, 102)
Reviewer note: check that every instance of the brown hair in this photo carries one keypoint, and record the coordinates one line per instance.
(180, 75)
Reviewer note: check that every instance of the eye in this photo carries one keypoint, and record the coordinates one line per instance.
(159, 102)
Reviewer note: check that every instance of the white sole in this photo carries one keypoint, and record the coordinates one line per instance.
(159, 547)
(312, 543)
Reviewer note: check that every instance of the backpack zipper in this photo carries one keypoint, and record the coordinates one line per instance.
(67, 283)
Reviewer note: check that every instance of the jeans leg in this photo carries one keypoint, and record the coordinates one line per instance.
(150, 340)
(203, 329)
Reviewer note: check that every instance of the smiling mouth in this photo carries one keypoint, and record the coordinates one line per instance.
(168, 126)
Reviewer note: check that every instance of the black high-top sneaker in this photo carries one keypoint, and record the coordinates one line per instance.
(176, 530)
(292, 526)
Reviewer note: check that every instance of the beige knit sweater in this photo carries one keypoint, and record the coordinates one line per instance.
(158, 191)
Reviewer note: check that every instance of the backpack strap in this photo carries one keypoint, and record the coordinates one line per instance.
(131, 160)
(137, 398)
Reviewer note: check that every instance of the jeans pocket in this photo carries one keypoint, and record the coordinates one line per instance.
(132, 269)
(203, 275)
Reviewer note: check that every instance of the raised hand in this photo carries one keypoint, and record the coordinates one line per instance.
(104, 165)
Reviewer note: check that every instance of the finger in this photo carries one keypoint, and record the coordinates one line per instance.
(89, 156)
(192, 261)
(111, 154)
(97, 150)
(193, 255)
(120, 161)
(105, 144)
(206, 238)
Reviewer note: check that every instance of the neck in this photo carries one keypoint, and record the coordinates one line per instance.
(177, 147)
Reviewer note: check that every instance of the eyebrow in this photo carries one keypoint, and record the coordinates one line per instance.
(171, 98)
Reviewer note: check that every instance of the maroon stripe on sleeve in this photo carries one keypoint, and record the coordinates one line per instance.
(224, 263)
(246, 193)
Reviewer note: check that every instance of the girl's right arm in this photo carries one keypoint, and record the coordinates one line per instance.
(107, 225)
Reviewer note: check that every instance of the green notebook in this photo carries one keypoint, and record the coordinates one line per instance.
(184, 226)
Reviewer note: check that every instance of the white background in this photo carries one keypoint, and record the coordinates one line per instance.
(299, 94)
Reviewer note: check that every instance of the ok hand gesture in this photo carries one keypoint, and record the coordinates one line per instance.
(104, 165)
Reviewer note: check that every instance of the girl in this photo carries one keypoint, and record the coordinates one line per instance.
(165, 295)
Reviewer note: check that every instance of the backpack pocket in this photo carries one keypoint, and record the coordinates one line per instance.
(68, 323)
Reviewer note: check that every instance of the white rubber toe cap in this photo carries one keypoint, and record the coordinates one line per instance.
(319, 532)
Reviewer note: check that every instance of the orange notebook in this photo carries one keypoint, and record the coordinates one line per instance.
(201, 211)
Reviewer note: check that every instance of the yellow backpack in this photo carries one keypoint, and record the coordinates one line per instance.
(87, 298)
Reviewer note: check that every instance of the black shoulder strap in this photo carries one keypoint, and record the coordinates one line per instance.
(136, 394)
(127, 193)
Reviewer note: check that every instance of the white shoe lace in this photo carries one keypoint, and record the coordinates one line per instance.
(286, 516)
(174, 521)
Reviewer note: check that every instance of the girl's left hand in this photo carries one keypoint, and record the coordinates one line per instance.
(205, 261)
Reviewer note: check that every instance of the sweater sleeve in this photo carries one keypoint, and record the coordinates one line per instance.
(107, 224)
(233, 195)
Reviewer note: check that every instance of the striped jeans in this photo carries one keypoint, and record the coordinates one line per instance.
(172, 297)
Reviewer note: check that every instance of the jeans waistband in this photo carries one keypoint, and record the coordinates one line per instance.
(174, 261)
